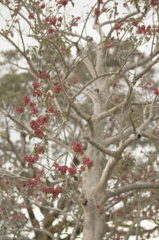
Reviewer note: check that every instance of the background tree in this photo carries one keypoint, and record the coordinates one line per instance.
(86, 142)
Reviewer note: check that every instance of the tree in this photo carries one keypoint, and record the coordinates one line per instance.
(86, 143)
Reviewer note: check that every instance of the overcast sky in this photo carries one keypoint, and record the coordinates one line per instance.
(79, 9)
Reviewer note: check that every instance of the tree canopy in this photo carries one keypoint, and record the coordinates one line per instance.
(79, 120)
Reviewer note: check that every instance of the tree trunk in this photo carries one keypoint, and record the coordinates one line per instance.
(94, 226)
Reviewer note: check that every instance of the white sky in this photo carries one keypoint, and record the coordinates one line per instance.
(79, 9)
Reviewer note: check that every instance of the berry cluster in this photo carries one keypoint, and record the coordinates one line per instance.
(118, 26)
(52, 109)
(74, 21)
(148, 85)
(63, 169)
(87, 162)
(43, 74)
(51, 190)
(57, 87)
(97, 12)
(64, 2)
(31, 159)
(33, 182)
(77, 147)
(20, 109)
(144, 30)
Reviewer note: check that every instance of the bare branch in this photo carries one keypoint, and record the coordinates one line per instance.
(135, 186)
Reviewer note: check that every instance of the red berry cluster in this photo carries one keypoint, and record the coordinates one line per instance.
(34, 111)
(82, 168)
(74, 21)
(97, 12)
(57, 87)
(38, 132)
(40, 149)
(42, 5)
(38, 125)
(51, 190)
(37, 93)
(154, 2)
(77, 147)
(144, 30)
(53, 21)
(118, 26)
(51, 30)
(72, 170)
(64, 2)
(135, 23)
(26, 100)
(157, 29)
(43, 119)
(31, 15)
(149, 86)
(43, 74)
(88, 162)
(31, 159)
(20, 109)
(52, 109)
(74, 80)
(33, 182)
(116, 99)
(63, 169)
(108, 46)
(35, 84)
(16, 10)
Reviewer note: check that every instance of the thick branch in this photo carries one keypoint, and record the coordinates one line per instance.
(93, 80)
(80, 112)
(111, 165)
(132, 187)
(108, 113)
(100, 147)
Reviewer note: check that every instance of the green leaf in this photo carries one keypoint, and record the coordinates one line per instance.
(31, 136)
(27, 52)
(48, 182)
(30, 115)
(45, 148)
(35, 150)
(45, 141)
(75, 177)
(76, 161)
